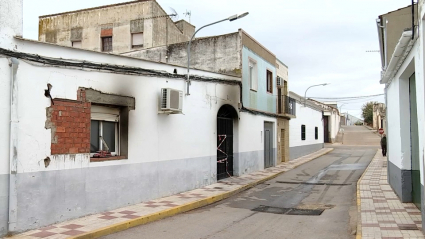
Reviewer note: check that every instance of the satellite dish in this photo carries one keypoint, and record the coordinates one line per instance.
(174, 15)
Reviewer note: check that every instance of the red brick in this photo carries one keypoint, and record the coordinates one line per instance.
(60, 129)
(73, 150)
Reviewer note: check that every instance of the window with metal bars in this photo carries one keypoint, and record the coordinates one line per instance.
(106, 44)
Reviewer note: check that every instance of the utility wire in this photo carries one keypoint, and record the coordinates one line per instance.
(349, 97)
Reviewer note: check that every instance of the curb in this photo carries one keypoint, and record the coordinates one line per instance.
(179, 209)
(359, 203)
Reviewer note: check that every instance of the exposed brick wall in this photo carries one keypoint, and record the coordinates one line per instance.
(69, 122)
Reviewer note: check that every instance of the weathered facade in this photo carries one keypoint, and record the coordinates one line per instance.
(115, 28)
(48, 169)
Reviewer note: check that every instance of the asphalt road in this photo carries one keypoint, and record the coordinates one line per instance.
(327, 183)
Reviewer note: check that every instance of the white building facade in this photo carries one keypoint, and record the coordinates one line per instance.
(403, 76)
(306, 131)
(48, 172)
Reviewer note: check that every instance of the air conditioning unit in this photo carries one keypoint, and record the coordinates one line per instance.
(171, 101)
(279, 81)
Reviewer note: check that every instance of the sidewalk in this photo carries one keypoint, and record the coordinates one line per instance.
(381, 214)
(102, 224)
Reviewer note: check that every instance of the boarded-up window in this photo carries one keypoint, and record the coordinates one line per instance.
(137, 26)
(137, 40)
(76, 44)
(269, 81)
(51, 36)
(106, 44)
(76, 34)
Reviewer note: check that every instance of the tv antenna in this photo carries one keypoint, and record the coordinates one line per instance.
(188, 14)
(174, 15)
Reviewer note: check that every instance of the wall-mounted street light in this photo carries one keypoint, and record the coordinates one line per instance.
(231, 18)
(305, 94)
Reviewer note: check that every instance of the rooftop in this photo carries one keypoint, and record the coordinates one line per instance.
(95, 8)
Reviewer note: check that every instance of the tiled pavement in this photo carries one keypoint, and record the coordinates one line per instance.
(382, 213)
(96, 222)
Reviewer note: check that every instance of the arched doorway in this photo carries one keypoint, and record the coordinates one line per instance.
(225, 117)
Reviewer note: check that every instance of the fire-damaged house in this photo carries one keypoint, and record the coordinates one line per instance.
(85, 131)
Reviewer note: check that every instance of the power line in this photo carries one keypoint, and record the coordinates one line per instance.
(342, 98)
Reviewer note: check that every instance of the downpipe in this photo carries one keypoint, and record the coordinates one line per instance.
(13, 147)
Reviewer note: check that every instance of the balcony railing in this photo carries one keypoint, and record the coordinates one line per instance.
(286, 105)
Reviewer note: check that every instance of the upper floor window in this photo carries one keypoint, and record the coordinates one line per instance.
(253, 82)
(269, 81)
(106, 43)
(137, 40)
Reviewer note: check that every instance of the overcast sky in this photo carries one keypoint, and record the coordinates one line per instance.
(321, 41)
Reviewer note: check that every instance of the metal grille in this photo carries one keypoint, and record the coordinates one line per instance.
(290, 106)
(164, 99)
(286, 104)
(225, 141)
(106, 43)
(174, 99)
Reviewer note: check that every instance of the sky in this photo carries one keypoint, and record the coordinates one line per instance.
(321, 41)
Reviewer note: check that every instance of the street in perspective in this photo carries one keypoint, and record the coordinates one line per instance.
(222, 119)
(314, 200)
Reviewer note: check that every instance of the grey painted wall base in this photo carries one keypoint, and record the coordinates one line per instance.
(248, 162)
(49, 197)
(401, 182)
(4, 203)
(299, 151)
(423, 209)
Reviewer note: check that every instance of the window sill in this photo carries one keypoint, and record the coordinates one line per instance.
(93, 160)
(253, 90)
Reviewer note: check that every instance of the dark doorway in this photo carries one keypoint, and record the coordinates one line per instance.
(326, 129)
(225, 117)
(268, 145)
(414, 144)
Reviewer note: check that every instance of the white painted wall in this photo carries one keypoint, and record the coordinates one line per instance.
(310, 118)
(11, 20)
(152, 137)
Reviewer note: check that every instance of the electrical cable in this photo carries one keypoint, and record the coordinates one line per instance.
(127, 70)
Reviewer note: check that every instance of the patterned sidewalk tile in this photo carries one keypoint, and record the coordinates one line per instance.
(94, 222)
(382, 215)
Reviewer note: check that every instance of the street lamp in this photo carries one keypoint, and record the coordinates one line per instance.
(305, 94)
(231, 18)
(340, 107)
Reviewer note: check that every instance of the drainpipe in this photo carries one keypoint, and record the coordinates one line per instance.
(13, 147)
